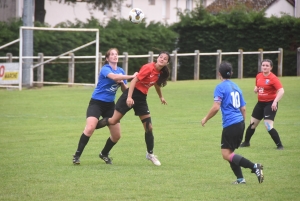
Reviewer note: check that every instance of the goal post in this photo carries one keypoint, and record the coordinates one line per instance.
(21, 57)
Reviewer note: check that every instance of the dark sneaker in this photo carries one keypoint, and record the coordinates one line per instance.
(259, 172)
(245, 144)
(239, 182)
(76, 160)
(279, 147)
(106, 159)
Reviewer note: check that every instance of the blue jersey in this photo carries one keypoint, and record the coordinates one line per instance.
(106, 88)
(231, 98)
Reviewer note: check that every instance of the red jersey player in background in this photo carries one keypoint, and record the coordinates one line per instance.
(154, 73)
(269, 91)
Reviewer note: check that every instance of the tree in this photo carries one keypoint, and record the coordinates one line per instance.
(40, 11)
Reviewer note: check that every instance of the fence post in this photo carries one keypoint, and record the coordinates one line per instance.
(71, 69)
(240, 64)
(280, 58)
(298, 61)
(99, 62)
(9, 59)
(150, 58)
(125, 63)
(260, 58)
(174, 66)
(197, 65)
(219, 60)
(40, 70)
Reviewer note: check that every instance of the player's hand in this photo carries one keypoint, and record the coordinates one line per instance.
(135, 74)
(120, 82)
(129, 102)
(163, 101)
(255, 89)
(274, 106)
(203, 121)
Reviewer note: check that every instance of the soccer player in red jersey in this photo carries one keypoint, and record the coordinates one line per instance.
(269, 91)
(152, 74)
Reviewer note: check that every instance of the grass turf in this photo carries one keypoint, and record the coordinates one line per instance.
(40, 129)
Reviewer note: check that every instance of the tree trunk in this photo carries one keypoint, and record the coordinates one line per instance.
(39, 11)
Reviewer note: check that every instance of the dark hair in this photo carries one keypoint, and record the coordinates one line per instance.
(164, 72)
(225, 69)
(267, 60)
(108, 53)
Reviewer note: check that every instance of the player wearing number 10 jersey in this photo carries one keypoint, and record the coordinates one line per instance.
(228, 96)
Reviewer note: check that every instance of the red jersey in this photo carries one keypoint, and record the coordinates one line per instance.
(267, 87)
(148, 75)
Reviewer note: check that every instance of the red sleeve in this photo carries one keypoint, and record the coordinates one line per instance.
(277, 84)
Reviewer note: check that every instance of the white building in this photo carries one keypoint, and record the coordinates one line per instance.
(164, 11)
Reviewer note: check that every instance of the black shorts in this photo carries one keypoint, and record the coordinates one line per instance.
(140, 106)
(264, 110)
(232, 136)
(99, 108)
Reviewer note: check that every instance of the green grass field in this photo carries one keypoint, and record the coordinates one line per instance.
(40, 129)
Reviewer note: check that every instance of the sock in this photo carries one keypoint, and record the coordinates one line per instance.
(102, 123)
(81, 144)
(249, 133)
(236, 170)
(108, 146)
(275, 136)
(149, 139)
(241, 161)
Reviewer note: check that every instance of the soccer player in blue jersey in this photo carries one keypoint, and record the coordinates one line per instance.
(228, 96)
(111, 78)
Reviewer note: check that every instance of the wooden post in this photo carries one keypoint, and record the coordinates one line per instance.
(174, 66)
(298, 61)
(197, 65)
(240, 64)
(99, 62)
(280, 58)
(150, 58)
(125, 63)
(71, 69)
(219, 60)
(9, 58)
(260, 58)
(40, 70)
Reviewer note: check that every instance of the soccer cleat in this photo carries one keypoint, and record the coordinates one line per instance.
(259, 172)
(239, 182)
(76, 160)
(153, 159)
(279, 147)
(106, 159)
(245, 144)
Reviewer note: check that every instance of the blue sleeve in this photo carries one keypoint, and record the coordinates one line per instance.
(218, 94)
(105, 71)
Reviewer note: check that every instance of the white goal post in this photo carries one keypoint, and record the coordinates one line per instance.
(21, 57)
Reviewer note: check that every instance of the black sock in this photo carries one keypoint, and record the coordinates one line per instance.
(275, 136)
(149, 139)
(236, 170)
(243, 162)
(81, 144)
(102, 123)
(108, 146)
(249, 133)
